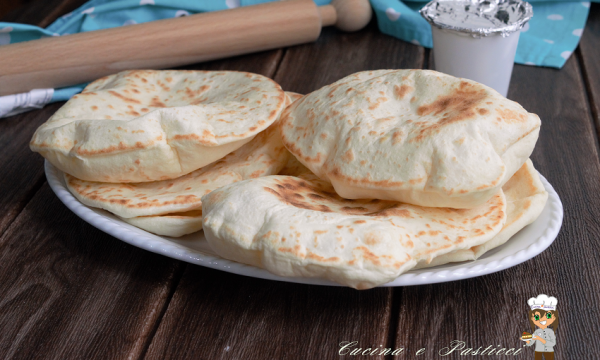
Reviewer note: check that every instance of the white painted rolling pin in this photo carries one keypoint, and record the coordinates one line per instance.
(67, 60)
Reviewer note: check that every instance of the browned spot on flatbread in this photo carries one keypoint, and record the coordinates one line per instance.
(402, 91)
(296, 199)
(368, 255)
(372, 239)
(123, 97)
(306, 195)
(207, 138)
(336, 173)
(156, 102)
(348, 156)
(313, 256)
(415, 181)
(375, 104)
(196, 93)
(511, 116)
(296, 250)
(393, 211)
(457, 106)
(256, 174)
(120, 147)
(397, 137)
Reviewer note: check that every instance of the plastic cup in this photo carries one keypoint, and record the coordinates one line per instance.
(488, 60)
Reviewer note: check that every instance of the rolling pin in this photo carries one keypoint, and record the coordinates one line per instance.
(67, 60)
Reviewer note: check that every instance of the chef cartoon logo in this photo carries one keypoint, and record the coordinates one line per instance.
(543, 316)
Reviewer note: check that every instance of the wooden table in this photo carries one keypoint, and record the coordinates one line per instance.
(69, 291)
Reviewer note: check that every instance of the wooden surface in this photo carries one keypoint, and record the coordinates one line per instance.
(68, 290)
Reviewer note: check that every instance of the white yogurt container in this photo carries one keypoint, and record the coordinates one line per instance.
(477, 40)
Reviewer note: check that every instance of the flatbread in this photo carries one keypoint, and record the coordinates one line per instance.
(416, 136)
(264, 155)
(525, 199)
(147, 125)
(298, 226)
(177, 224)
(183, 223)
(174, 225)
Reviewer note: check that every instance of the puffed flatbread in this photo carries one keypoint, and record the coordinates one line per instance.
(525, 199)
(148, 125)
(416, 136)
(176, 224)
(161, 202)
(299, 226)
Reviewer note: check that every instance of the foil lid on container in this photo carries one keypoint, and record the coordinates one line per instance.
(478, 18)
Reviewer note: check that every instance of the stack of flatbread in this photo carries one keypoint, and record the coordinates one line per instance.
(358, 182)
(147, 145)
(392, 170)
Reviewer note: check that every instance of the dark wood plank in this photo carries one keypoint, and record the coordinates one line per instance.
(216, 315)
(492, 309)
(264, 63)
(22, 170)
(76, 292)
(70, 291)
(222, 316)
(336, 54)
(567, 155)
(589, 52)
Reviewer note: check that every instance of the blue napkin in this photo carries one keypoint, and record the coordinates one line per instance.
(548, 40)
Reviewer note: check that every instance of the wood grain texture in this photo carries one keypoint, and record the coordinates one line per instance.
(492, 309)
(567, 155)
(22, 170)
(589, 53)
(216, 315)
(70, 291)
(306, 68)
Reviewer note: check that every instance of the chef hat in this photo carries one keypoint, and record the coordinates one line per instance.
(543, 302)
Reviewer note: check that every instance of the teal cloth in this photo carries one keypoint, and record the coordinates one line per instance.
(548, 40)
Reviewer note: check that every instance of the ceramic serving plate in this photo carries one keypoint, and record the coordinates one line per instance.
(194, 249)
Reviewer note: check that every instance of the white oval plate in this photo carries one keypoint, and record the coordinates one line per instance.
(193, 248)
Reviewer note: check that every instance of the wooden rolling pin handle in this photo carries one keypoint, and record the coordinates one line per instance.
(346, 15)
(67, 60)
